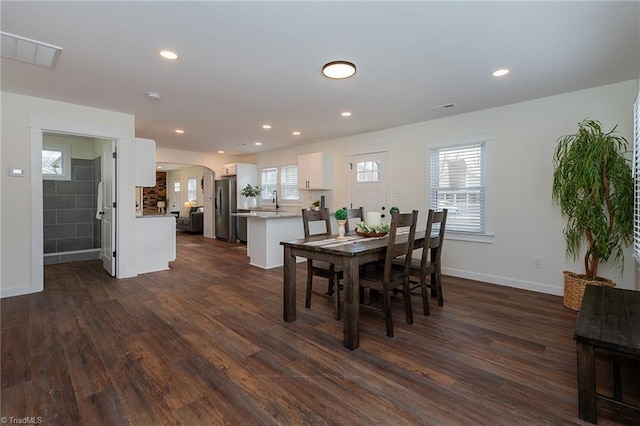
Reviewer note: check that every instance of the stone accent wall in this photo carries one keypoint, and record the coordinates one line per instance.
(69, 213)
(150, 195)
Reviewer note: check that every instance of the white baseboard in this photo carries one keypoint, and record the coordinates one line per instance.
(507, 282)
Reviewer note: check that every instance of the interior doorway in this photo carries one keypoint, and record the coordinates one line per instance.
(78, 186)
(189, 185)
(39, 125)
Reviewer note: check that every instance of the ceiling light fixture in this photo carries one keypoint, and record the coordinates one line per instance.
(167, 54)
(220, 152)
(154, 96)
(258, 143)
(339, 70)
(179, 131)
(501, 72)
(295, 133)
(346, 114)
(30, 51)
(266, 126)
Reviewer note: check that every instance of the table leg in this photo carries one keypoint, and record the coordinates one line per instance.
(586, 382)
(289, 285)
(351, 279)
(617, 384)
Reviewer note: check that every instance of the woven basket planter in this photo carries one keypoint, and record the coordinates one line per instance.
(574, 285)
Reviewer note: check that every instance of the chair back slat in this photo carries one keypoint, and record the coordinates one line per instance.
(432, 248)
(395, 249)
(356, 214)
(309, 216)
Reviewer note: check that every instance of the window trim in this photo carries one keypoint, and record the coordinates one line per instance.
(489, 140)
(636, 178)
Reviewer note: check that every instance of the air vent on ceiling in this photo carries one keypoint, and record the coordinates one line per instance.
(30, 51)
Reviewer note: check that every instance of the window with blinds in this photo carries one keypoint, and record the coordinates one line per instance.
(289, 182)
(268, 182)
(636, 178)
(287, 185)
(458, 184)
(192, 184)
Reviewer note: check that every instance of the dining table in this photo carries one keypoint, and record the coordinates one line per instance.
(349, 254)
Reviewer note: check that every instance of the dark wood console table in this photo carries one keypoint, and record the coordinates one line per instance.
(609, 320)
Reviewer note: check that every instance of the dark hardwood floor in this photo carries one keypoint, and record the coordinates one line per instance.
(205, 343)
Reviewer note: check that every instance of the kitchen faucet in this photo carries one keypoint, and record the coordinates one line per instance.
(275, 199)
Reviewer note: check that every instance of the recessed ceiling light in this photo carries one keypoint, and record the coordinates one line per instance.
(346, 114)
(154, 96)
(179, 131)
(339, 70)
(266, 126)
(167, 54)
(159, 167)
(295, 133)
(258, 143)
(500, 72)
(220, 152)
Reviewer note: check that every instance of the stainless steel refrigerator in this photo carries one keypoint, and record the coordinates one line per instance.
(225, 205)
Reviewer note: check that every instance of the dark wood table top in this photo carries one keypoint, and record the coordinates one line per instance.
(610, 318)
(351, 248)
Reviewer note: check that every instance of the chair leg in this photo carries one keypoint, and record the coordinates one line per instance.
(438, 285)
(407, 301)
(336, 299)
(386, 301)
(307, 302)
(425, 296)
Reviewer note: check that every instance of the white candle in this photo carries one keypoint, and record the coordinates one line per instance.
(373, 218)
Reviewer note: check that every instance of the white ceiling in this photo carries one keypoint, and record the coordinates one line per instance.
(244, 64)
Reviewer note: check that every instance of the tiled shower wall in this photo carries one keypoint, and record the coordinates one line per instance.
(70, 222)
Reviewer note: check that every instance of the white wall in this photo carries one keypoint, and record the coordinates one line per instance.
(527, 225)
(16, 276)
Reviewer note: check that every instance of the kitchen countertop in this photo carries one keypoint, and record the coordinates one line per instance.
(268, 214)
(146, 216)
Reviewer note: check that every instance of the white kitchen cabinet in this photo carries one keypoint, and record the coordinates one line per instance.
(245, 174)
(145, 162)
(230, 169)
(155, 243)
(315, 171)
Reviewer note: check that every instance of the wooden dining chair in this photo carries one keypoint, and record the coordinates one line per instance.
(429, 263)
(357, 215)
(321, 269)
(393, 276)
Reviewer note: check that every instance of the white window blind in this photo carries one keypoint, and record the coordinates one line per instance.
(268, 182)
(458, 183)
(289, 182)
(191, 189)
(636, 178)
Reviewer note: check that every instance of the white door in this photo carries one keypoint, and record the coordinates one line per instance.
(370, 182)
(176, 201)
(108, 226)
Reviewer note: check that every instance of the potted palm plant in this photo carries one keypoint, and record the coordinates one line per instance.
(593, 185)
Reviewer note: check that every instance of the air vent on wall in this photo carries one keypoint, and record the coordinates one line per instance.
(30, 51)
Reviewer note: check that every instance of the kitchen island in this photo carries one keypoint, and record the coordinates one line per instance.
(155, 242)
(265, 230)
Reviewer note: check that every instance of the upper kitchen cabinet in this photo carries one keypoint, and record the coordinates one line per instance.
(145, 162)
(315, 171)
